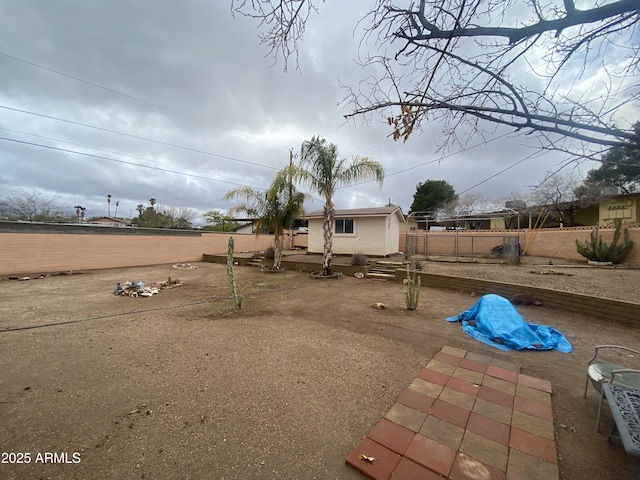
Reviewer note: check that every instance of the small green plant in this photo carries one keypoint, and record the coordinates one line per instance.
(269, 253)
(359, 259)
(412, 295)
(598, 251)
(237, 299)
(418, 264)
(169, 280)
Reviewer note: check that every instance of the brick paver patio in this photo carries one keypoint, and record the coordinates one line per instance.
(466, 416)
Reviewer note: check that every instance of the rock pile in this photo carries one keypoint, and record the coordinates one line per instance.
(138, 289)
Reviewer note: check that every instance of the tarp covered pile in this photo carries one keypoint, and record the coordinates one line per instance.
(495, 321)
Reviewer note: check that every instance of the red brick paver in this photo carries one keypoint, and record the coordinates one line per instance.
(391, 435)
(416, 400)
(384, 463)
(465, 416)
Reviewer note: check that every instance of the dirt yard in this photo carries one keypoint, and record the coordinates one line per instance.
(179, 385)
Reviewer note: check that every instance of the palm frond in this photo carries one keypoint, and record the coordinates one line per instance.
(275, 208)
(361, 168)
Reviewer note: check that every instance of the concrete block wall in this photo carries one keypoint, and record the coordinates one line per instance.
(86, 248)
(553, 243)
(39, 248)
(607, 309)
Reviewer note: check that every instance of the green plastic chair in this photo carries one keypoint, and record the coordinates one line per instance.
(599, 372)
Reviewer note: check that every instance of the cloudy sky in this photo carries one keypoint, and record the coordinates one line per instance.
(178, 101)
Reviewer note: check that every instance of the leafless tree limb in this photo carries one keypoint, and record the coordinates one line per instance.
(562, 74)
(426, 30)
(285, 21)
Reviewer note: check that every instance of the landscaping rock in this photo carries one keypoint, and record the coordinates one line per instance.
(184, 266)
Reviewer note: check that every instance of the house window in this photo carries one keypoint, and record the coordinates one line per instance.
(344, 225)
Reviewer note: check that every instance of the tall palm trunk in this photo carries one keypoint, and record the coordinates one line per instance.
(327, 230)
(277, 251)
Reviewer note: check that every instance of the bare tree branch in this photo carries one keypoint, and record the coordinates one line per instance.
(560, 74)
(285, 21)
(572, 18)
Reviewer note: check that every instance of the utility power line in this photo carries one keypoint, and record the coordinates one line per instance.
(136, 164)
(75, 152)
(145, 102)
(102, 150)
(136, 137)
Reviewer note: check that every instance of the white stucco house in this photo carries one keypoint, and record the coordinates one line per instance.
(248, 228)
(371, 231)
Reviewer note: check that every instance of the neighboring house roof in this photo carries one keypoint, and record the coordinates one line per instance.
(580, 204)
(250, 223)
(363, 212)
(105, 220)
(244, 226)
(622, 195)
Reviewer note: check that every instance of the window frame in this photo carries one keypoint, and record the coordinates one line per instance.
(345, 222)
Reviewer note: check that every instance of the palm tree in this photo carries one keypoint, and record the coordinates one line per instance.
(79, 208)
(320, 169)
(80, 213)
(117, 205)
(109, 205)
(274, 209)
(152, 201)
(140, 208)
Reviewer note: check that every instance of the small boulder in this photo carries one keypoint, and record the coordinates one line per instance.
(522, 299)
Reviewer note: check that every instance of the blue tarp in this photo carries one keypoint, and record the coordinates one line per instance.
(495, 321)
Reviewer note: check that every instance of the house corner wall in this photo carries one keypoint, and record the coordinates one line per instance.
(625, 209)
(392, 233)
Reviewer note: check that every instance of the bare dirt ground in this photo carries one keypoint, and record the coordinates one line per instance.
(180, 385)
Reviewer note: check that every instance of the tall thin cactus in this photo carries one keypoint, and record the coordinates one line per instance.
(412, 295)
(598, 251)
(237, 299)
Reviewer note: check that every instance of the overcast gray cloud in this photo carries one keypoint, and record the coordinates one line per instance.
(184, 105)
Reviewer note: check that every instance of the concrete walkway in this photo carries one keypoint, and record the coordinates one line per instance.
(466, 416)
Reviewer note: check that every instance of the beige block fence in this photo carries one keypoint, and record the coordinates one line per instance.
(41, 248)
(53, 249)
(552, 243)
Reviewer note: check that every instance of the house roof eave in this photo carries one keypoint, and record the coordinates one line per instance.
(362, 212)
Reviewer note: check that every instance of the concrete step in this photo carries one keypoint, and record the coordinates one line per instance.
(380, 269)
(391, 263)
(371, 274)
